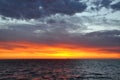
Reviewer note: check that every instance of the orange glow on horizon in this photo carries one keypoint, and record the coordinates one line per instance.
(24, 50)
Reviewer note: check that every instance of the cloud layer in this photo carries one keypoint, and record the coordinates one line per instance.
(38, 8)
(93, 23)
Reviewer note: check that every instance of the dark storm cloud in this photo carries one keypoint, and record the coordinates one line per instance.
(38, 8)
(106, 3)
(66, 6)
(116, 6)
(19, 8)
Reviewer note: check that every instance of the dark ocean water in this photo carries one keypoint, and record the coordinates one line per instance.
(59, 69)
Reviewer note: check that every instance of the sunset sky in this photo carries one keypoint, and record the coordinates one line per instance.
(59, 29)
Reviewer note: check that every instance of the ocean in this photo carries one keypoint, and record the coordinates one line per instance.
(67, 69)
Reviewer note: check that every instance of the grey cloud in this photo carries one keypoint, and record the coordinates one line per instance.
(106, 3)
(111, 50)
(56, 29)
(116, 6)
(103, 38)
(9, 46)
(93, 39)
(14, 35)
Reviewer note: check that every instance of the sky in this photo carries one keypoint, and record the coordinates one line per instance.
(59, 29)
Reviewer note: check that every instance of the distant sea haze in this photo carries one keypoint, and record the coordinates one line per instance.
(66, 69)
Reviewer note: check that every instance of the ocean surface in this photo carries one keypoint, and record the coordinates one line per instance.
(60, 69)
